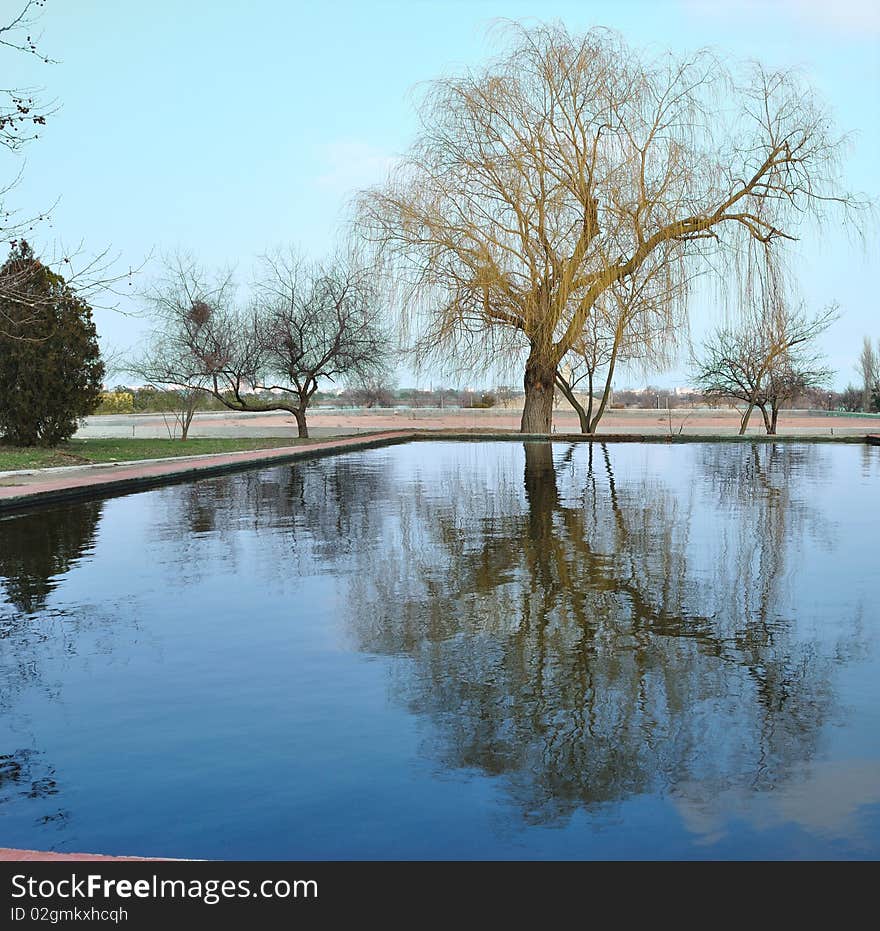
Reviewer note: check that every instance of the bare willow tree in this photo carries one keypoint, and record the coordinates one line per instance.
(304, 322)
(765, 362)
(571, 164)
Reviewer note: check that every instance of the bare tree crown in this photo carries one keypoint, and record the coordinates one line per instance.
(304, 323)
(572, 166)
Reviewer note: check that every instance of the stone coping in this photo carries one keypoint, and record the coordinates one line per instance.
(49, 486)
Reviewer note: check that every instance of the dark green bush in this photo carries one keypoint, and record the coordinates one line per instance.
(50, 363)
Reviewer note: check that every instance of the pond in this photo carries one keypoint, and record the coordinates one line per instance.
(453, 650)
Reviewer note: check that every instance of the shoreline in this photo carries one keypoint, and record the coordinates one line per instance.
(46, 487)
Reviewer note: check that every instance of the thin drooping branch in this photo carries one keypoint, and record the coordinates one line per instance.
(96, 277)
(22, 114)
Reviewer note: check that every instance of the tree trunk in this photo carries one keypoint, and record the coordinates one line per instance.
(744, 422)
(187, 419)
(583, 416)
(607, 391)
(773, 418)
(589, 402)
(301, 425)
(539, 383)
(767, 425)
(541, 490)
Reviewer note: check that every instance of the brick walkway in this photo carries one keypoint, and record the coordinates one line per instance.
(18, 489)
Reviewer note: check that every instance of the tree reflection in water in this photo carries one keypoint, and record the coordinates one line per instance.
(39, 547)
(570, 637)
(584, 631)
(36, 550)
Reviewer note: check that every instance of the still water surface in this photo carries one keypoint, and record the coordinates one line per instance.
(453, 650)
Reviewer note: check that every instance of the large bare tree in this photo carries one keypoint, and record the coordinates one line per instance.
(304, 322)
(571, 164)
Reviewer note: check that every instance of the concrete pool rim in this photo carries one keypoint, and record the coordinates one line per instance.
(104, 480)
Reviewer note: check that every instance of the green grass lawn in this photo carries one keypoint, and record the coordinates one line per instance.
(82, 452)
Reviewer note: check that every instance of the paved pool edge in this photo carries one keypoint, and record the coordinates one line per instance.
(100, 479)
(106, 480)
(16, 855)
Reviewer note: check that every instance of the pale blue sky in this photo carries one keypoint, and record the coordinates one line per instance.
(226, 128)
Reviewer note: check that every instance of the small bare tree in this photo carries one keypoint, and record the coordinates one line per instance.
(373, 391)
(181, 303)
(798, 371)
(633, 322)
(764, 363)
(598, 348)
(869, 369)
(160, 369)
(304, 323)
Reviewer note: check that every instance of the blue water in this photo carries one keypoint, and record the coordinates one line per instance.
(441, 650)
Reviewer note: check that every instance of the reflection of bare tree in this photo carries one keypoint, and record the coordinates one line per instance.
(564, 635)
(318, 511)
(24, 774)
(757, 488)
(870, 459)
(37, 548)
(570, 624)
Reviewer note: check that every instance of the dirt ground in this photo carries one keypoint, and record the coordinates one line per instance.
(346, 422)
